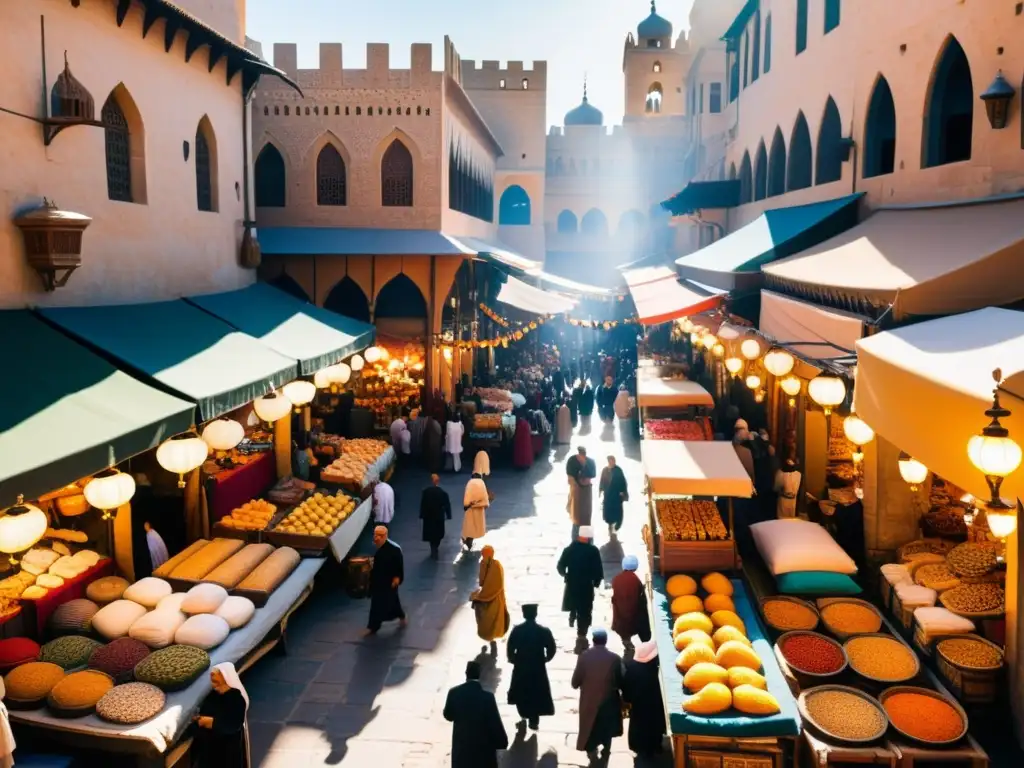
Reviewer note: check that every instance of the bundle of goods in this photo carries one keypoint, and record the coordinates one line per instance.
(934, 623)
(487, 422)
(318, 515)
(844, 714)
(937, 576)
(804, 558)
(367, 448)
(494, 399)
(288, 491)
(667, 429)
(690, 520)
(330, 444)
(917, 547)
(43, 569)
(945, 516)
(254, 515)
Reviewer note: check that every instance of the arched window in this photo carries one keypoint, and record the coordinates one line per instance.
(206, 166)
(732, 171)
(290, 285)
(761, 173)
(801, 158)
(654, 94)
(567, 222)
(880, 132)
(746, 185)
(118, 150)
(396, 176)
(347, 298)
(832, 15)
(950, 112)
(514, 207)
(594, 223)
(400, 297)
(767, 43)
(801, 26)
(269, 178)
(829, 166)
(330, 177)
(777, 165)
(755, 55)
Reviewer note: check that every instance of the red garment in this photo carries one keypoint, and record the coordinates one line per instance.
(522, 445)
(628, 614)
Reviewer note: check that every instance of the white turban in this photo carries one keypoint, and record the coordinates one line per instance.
(586, 532)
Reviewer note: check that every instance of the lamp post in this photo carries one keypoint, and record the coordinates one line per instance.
(996, 455)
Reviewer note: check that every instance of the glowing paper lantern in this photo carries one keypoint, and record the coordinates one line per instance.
(322, 378)
(272, 407)
(21, 526)
(221, 435)
(1001, 523)
(778, 362)
(340, 373)
(791, 386)
(372, 354)
(857, 430)
(718, 350)
(753, 382)
(728, 333)
(827, 391)
(912, 471)
(181, 454)
(750, 349)
(356, 362)
(299, 392)
(709, 341)
(109, 491)
(733, 365)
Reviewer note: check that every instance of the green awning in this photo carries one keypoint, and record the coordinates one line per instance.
(735, 261)
(703, 195)
(186, 350)
(313, 336)
(68, 413)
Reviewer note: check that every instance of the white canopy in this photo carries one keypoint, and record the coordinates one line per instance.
(524, 296)
(695, 468)
(925, 388)
(658, 392)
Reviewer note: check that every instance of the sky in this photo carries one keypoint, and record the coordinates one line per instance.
(575, 37)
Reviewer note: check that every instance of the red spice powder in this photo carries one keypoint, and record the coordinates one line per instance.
(811, 653)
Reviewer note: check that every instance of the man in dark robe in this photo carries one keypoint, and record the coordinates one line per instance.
(477, 732)
(387, 574)
(581, 567)
(530, 648)
(587, 400)
(432, 439)
(615, 492)
(606, 395)
(435, 508)
(598, 678)
(641, 689)
(580, 472)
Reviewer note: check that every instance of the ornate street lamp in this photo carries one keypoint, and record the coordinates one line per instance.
(996, 455)
(997, 98)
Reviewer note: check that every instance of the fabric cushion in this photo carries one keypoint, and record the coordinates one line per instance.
(76, 695)
(69, 652)
(114, 620)
(204, 598)
(118, 659)
(796, 545)
(236, 611)
(156, 629)
(31, 682)
(203, 630)
(131, 703)
(172, 602)
(174, 668)
(15, 651)
(106, 590)
(817, 583)
(72, 617)
(148, 592)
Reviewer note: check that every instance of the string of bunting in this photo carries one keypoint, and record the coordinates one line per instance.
(606, 325)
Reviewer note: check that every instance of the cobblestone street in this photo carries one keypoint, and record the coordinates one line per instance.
(337, 699)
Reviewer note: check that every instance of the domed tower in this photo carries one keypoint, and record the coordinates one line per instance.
(585, 113)
(655, 70)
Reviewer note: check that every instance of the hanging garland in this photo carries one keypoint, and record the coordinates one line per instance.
(606, 325)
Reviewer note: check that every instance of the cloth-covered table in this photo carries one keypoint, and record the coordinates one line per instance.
(231, 488)
(37, 611)
(347, 534)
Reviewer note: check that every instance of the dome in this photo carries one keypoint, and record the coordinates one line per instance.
(654, 26)
(585, 114)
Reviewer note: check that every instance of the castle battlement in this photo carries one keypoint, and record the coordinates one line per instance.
(560, 132)
(377, 74)
(490, 75)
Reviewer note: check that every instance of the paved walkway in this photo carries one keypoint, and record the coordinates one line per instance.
(337, 699)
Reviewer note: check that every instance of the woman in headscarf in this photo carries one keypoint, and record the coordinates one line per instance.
(522, 442)
(615, 493)
(492, 619)
(482, 464)
(629, 604)
(475, 501)
(222, 740)
(563, 424)
(641, 690)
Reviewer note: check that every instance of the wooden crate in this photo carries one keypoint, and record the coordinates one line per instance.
(718, 752)
(696, 556)
(967, 754)
(820, 754)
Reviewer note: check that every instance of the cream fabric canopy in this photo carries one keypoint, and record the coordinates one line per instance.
(659, 295)
(695, 468)
(935, 260)
(526, 297)
(830, 333)
(925, 388)
(660, 393)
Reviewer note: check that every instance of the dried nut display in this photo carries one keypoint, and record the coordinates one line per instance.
(974, 598)
(318, 515)
(970, 653)
(845, 714)
(254, 515)
(936, 576)
(972, 559)
(686, 520)
(946, 521)
(921, 546)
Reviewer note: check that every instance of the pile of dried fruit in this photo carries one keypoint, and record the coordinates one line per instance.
(974, 598)
(685, 520)
(936, 576)
(974, 654)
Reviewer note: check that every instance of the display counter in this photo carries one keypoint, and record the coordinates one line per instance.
(37, 611)
(231, 488)
(657, 392)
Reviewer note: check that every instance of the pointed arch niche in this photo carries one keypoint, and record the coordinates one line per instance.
(949, 109)
(331, 176)
(777, 165)
(567, 223)
(347, 298)
(290, 285)
(761, 173)
(829, 166)
(269, 177)
(799, 167)
(396, 175)
(514, 207)
(880, 132)
(206, 167)
(746, 180)
(400, 309)
(125, 145)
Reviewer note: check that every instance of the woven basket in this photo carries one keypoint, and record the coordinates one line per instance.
(936, 546)
(969, 684)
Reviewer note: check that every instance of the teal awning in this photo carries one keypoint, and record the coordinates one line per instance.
(184, 349)
(735, 261)
(313, 336)
(703, 195)
(68, 413)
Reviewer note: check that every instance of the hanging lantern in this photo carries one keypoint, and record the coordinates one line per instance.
(996, 455)
(857, 430)
(733, 365)
(221, 435)
(272, 407)
(695, 338)
(21, 526)
(997, 98)
(356, 363)
(753, 382)
(728, 333)
(718, 350)
(686, 325)
(340, 374)
(827, 391)
(299, 392)
(183, 453)
(779, 362)
(913, 472)
(791, 385)
(372, 354)
(1001, 523)
(709, 341)
(110, 490)
(750, 349)
(322, 378)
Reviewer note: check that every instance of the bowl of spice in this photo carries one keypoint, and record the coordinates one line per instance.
(845, 617)
(971, 653)
(786, 614)
(843, 714)
(882, 658)
(812, 655)
(924, 715)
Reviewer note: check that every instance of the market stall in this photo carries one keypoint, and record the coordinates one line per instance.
(691, 486)
(354, 464)
(659, 396)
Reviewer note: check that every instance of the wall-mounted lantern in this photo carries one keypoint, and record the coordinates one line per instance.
(53, 242)
(997, 98)
(70, 104)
